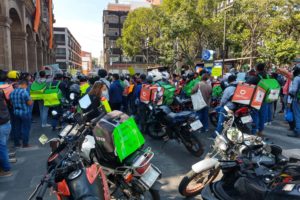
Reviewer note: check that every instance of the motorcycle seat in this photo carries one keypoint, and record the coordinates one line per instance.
(179, 117)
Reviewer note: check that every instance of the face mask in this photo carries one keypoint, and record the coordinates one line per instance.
(105, 94)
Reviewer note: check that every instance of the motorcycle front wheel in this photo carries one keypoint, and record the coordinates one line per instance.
(193, 145)
(155, 130)
(193, 183)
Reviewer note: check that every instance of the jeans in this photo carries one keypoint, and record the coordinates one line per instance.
(23, 126)
(222, 113)
(259, 117)
(269, 111)
(296, 111)
(203, 116)
(4, 134)
(57, 120)
(13, 125)
(43, 113)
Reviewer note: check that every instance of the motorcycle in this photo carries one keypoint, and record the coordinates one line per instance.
(248, 178)
(67, 175)
(226, 146)
(162, 123)
(134, 178)
(181, 104)
(214, 114)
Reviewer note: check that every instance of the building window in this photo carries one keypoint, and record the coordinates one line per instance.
(60, 53)
(112, 19)
(115, 58)
(60, 39)
(113, 32)
(139, 59)
(122, 19)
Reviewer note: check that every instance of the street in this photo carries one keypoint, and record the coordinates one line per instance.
(172, 159)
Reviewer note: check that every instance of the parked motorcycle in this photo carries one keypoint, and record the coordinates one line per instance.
(227, 146)
(248, 178)
(162, 123)
(67, 175)
(133, 178)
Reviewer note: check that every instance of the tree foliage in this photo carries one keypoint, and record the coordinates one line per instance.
(179, 30)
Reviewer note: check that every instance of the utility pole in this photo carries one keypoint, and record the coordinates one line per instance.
(225, 5)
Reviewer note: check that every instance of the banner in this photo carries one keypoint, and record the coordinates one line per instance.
(37, 17)
(50, 25)
(216, 71)
(131, 70)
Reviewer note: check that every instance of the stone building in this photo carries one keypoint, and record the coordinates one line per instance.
(20, 47)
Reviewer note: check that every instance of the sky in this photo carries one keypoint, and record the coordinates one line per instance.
(84, 20)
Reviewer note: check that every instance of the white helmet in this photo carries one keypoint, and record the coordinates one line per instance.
(157, 76)
(165, 75)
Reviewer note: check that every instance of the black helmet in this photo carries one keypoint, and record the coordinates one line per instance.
(82, 78)
(191, 75)
(75, 88)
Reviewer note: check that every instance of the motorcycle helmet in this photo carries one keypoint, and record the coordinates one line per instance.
(149, 79)
(157, 76)
(165, 76)
(191, 75)
(13, 74)
(74, 91)
(82, 78)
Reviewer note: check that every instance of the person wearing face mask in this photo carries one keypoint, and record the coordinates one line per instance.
(96, 93)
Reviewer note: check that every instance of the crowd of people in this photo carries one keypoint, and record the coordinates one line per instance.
(123, 92)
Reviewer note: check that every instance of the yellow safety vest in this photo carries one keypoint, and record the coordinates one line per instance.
(83, 88)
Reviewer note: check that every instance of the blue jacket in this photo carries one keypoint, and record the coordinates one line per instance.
(115, 92)
(294, 88)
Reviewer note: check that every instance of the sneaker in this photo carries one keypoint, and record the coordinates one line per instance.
(12, 154)
(5, 174)
(13, 160)
(46, 125)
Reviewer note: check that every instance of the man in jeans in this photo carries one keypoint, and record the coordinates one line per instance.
(206, 91)
(43, 109)
(5, 128)
(294, 93)
(21, 102)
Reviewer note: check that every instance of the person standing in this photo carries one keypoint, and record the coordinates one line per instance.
(102, 73)
(206, 91)
(21, 103)
(259, 116)
(115, 93)
(295, 94)
(5, 128)
(43, 109)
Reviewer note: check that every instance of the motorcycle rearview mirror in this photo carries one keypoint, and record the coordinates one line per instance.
(85, 102)
(54, 113)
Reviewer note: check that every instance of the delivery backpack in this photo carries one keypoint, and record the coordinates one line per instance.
(7, 89)
(217, 91)
(52, 95)
(169, 92)
(37, 90)
(190, 86)
(117, 137)
(272, 88)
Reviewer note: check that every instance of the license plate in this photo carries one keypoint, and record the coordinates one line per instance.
(150, 177)
(196, 125)
(246, 119)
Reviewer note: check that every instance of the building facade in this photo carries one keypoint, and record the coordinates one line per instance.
(68, 49)
(87, 62)
(20, 47)
(113, 19)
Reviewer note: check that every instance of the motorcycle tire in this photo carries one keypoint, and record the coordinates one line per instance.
(155, 194)
(155, 130)
(213, 117)
(193, 145)
(192, 177)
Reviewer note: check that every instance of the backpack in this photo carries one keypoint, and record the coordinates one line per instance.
(169, 92)
(217, 91)
(7, 89)
(52, 95)
(272, 88)
(190, 86)
(37, 90)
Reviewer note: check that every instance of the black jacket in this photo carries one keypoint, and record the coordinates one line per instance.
(4, 113)
(254, 80)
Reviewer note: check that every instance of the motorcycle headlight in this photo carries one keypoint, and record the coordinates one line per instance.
(220, 142)
(234, 135)
(72, 96)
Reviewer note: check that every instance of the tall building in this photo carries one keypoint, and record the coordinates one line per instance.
(68, 50)
(26, 34)
(113, 18)
(87, 62)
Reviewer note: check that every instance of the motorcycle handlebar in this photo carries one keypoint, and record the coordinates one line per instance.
(42, 191)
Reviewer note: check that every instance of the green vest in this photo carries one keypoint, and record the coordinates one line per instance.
(83, 88)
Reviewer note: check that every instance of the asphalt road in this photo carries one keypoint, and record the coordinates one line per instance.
(172, 159)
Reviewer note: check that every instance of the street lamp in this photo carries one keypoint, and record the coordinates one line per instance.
(224, 6)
